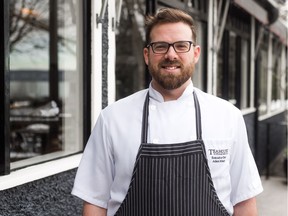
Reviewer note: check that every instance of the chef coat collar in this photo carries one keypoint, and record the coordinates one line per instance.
(154, 94)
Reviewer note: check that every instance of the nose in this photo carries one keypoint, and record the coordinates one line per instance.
(171, 53)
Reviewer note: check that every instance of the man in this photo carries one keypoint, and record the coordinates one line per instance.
(170, 149)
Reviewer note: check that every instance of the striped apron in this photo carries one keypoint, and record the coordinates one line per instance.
(171, 179)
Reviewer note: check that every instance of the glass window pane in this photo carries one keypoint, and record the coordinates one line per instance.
(276, 76)
(232, 68)
(45, 78)
(263, 68)
(130, 37)
(245, 81)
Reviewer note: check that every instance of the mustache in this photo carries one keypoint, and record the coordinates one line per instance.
(167, 62)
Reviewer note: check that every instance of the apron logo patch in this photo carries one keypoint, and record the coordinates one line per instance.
(218, 155)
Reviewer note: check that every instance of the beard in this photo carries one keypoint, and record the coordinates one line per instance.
(170, 81)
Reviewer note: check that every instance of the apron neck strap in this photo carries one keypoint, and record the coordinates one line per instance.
(144, 132)
(198, 117)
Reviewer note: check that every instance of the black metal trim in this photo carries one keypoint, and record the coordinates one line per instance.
(225, 59)
(151, 7)
(257, 104)
(86, 70)
(239, 69)
(4, 92)
(204, 56)
(249, 75)
(53, 51)
(196, 13)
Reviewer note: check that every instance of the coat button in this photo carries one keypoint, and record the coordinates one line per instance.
(155, 141)
(152, 107)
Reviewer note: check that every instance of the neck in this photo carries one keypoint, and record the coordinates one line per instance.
(173, 94)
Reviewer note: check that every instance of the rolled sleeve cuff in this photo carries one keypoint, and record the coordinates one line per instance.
(88, 198)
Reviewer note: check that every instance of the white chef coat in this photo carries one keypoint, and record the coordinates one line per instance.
(105, 171)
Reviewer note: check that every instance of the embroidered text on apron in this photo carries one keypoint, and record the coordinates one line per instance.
(171, 179)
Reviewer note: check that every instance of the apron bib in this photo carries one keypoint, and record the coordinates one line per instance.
(171, 179)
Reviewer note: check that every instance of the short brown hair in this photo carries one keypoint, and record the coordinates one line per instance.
(169, 15)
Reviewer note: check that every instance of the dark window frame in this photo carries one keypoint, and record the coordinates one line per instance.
(5, 82)
(87, 68)
(4, 93)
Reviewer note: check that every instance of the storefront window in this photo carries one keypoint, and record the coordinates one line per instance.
(131, 73)
(226, 68)
(46, 79)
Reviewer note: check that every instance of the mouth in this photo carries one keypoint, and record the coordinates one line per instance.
(170, 67)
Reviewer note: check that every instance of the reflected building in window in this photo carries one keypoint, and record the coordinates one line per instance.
(46, 78)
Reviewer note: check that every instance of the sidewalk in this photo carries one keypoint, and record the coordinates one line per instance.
(273, 200)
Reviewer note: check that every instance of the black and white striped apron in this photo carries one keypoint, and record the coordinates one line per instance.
(171, 179)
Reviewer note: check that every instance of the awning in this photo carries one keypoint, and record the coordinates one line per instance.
(266, 14)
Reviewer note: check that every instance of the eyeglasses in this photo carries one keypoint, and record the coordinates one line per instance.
(178, 46)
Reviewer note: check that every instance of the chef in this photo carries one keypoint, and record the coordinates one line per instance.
(170, 149)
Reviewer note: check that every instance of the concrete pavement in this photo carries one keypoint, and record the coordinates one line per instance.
(273, 200)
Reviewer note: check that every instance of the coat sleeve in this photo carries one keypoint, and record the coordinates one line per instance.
(95, 172)
(245, 179)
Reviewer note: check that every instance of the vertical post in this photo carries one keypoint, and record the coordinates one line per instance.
(283, 75)
(87, 67)
(268, 151)
(96, 62)
(150, 9)
(150, 6)
(269, 73)
(53, 52)
(225, 70)
(256, 82)
(252, 62)
(4, 92)
(53, 66)
(111, 77)
(239, 69)
(215, 40)
(212, 48)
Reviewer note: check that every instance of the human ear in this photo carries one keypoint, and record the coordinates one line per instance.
(197, 51)
(146, 55)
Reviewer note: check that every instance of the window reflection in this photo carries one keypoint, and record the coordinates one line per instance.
(226, 68)
(45, 78)
(277, 76)
(130, 66)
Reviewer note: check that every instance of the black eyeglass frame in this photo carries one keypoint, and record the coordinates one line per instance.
(169, 45)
